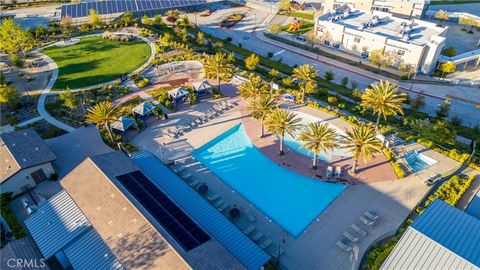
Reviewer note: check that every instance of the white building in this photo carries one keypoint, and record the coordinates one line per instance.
(413, 42)
(402, 8)
(26, 161)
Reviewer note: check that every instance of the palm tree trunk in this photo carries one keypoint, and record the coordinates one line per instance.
(314, 166)
(218, 83)
(377, 123)
(303, 92)
(354, 168)
(109, 132)
(281, 146)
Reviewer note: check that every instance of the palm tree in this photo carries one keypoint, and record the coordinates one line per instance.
(305, 73)
(260, 107)
(103, 114)
(361, 142)
(217, 66)
(281, 122)
(252, 88)
(384, 99)
(317, 137)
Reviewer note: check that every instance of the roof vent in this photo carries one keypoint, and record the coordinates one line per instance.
(13, 144)
(36, 148)
(24, 160)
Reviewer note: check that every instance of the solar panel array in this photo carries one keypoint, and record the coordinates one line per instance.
(180, 226)
(121, 6)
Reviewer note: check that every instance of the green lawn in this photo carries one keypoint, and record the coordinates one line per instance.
(94, 60)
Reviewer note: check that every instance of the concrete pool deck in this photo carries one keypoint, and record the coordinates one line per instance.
(316, 248)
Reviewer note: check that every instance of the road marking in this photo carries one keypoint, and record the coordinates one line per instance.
(277, 53)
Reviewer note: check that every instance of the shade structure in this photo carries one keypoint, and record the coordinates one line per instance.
(123, 123)
(203, 86)
(178, 93)
(143, 108)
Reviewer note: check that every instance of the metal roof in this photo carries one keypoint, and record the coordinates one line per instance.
(473, 207)
(25, 148)
(56, 223)
(90, 252)
(442, 237)
(216, 224)
(21, 249)
(60, 225)
(143, 108)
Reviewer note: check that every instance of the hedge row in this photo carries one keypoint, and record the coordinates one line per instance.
(7, 214)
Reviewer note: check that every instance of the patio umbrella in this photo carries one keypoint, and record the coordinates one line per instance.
(123, 123)
(178, 93)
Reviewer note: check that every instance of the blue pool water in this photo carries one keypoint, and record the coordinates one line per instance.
(294, 144)
(289, 199)
(418, 161)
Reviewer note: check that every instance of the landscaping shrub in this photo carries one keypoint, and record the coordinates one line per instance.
(332, 100)
(7, 214)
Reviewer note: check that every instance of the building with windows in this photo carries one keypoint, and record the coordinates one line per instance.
(401, 8)
(26, 161)
(409, 42)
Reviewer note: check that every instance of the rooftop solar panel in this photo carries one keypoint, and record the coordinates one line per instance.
(180, 226)
(149, 5)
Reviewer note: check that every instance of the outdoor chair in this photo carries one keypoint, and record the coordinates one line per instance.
(371, 215)
(249, 230)
(358, 230)
(329, 172)
(276, 252)
(223, 207)
(267, 242)
(213, 197)
(366, 221)
(257, 236)
(344, 245)
(219, 203)
(338, 172)
(251, 217)
(350, 237)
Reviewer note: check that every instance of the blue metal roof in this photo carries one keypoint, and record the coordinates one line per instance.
(56, 223)
(473, 208)
(452, 228)
(215, 223)
(90, 252)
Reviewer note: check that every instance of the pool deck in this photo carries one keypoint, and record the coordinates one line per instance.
(316, 248)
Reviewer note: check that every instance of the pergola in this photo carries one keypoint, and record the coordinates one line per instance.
(203, 87)
(178, 93)
(122, 124)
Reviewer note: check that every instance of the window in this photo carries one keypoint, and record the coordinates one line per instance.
(401, 52)
(38, 176)
(357, 40)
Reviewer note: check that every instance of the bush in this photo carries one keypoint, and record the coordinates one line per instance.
(332, 100)
(397, 167)
(7, 214)
(450, 52)
(344, 81)
(329, 75)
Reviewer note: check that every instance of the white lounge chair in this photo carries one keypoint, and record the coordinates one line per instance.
(249, 230)
(213, 197)
(179, 169)
(219, 203)
(276, 252)
(366, 221)
(257, 236)
(185, 176)
(194, 183)
(343, 244)
(338, 172)
(267, 242)
(251, 217)
(350, 237)
(223, 207)
(329, 171)
(371, 215)
(358, 230)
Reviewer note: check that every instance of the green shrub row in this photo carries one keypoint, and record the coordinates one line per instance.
(7, 214)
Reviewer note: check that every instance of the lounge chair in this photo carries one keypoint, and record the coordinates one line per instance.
(338, 172)
(194, 183)
(329, 172)
(223, 207)
(213, 197)
(219, 203)
(249, 230)
(366, 221)
(371, 215)
(350, 237)
(276, 252)
(267, 242)
(257, 236)
(198, 120)
(179, 169)
(185, 176)
(358, 230)
(251, 217)
(343, 244)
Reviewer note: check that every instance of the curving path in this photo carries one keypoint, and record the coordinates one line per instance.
(54, 68)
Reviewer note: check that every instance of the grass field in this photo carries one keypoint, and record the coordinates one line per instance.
(94, 60)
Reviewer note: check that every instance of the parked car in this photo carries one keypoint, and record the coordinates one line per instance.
(433, 179)
(300, 38)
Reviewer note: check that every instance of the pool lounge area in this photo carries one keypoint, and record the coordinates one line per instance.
(418, 161)
(291, 200)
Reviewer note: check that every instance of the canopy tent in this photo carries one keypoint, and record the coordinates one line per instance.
(178, 93)
(143, 109)
(123, 123)
(203, 86)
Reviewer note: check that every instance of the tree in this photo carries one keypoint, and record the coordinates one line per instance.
(274, 73)
(251, 62)
(157, 19)
(166, 39)
(384, 99)
(344, 81)
(281, 122)
(172, 15)
(304, 74)
(185, 22)
(69, 99)
(361, 142)
(66, 25)
(317, 137)
(418, 102)
(311, 38)
(127, 18)
(329, 75)
(467, 21)
(444, 109)
(147, 20)
(441, 15)
(95, 19)
(284, 5)
(447, 67)
(103, 115)
(217, 66)
(7, 93)
(382, 58)
(14, 40)
(253, 88)
(275, 28)
(200, 38)
(260, 107)
(450, 52)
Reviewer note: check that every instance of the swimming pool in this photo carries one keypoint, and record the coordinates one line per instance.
(294, 144)
(289, 199)
(418, 161)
